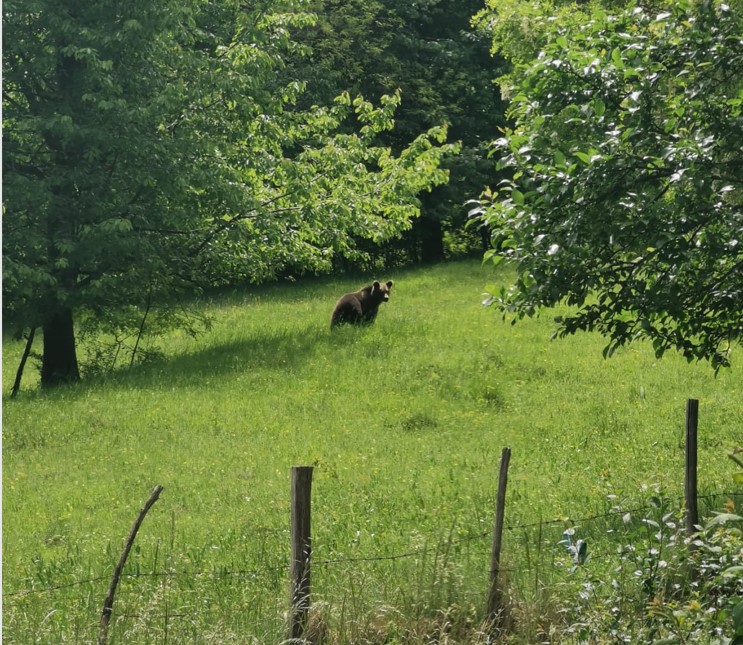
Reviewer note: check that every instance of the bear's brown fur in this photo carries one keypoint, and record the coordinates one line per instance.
(361, 306)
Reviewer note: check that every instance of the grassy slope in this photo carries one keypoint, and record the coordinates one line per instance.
(405, 422)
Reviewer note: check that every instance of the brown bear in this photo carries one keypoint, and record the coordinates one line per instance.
(361, 306)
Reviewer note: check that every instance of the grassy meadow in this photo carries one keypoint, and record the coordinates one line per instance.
(404, 422)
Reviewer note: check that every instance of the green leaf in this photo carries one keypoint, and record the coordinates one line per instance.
(723, 518)
(738, 618)
(616, 57)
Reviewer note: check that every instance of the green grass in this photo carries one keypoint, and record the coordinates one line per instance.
(405, 422)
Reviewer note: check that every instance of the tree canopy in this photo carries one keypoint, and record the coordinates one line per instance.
(625, 196)
(442, 66)
(153, 148)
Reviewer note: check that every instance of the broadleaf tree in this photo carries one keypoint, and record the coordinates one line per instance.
(153, 148)
(626, 190)
(429, 51)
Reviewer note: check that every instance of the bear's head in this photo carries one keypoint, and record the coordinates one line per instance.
(381, 292)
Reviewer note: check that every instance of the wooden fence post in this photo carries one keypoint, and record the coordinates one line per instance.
(108, 603)
(495, 594)
(301, 549)
(690, 479)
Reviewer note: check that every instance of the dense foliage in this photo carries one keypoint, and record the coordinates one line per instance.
(442, 66)
(154, 148)
(626, 197)
(665, 587)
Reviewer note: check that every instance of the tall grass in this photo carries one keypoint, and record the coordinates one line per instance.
(404, 420)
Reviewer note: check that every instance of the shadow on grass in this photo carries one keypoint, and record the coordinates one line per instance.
(273, 350)
(278, 350)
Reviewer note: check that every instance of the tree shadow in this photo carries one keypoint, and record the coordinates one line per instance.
(274, 350)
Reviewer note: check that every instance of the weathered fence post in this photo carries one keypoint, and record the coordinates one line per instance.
(108, 603)
(690, 479)
(301, 549)
(495, 594)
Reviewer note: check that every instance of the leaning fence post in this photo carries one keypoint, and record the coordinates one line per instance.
(690, 479)
(495, 594)
(108, 603)
(301, 549)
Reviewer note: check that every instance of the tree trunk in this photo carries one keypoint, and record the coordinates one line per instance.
(432, 240)
(59, 362)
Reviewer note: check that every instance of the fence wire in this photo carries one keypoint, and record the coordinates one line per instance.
(418, 552)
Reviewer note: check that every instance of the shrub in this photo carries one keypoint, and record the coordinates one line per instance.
(661, 586)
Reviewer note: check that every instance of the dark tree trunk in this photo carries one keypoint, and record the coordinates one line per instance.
(432, 240)
(486, 238)
(59, 363)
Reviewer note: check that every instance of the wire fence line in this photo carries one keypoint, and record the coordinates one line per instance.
(417, 552)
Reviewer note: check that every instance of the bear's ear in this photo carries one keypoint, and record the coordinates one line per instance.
(389, 284)
(375, 285)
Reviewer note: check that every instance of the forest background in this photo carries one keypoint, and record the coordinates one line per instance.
(159, 151)
(173, 148)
